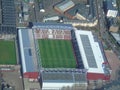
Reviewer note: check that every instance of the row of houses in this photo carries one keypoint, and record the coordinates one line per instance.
(79, 14)
(112, 17)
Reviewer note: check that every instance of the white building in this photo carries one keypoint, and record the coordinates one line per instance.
(92, 55)
(110, 10)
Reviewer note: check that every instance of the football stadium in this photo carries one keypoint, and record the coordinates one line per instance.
(55, 46)
(60, 55)
(7, 52)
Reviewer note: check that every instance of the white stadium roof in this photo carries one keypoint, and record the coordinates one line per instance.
(90, 51)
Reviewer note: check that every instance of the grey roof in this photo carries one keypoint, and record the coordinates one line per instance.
(30, 66)
(88, 12)
(7, 17)
(8, 88)
(57, 26)
(8, 12)
(65, 5)
(7, 29)
(28, 61)
(74, 10)
(81, 8)
(112, 21)
(109, 5)
(0, 14)
(88, 51)
(26, 41)
(92, 11)
(63, 77)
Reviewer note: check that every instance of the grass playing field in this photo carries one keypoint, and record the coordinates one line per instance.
(56, 53)
(7, 52)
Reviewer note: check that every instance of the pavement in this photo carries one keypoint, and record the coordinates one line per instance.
(13, 78)
(114, 63)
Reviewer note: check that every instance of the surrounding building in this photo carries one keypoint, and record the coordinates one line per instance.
(51, 18)
(7, 15)
(82, 11)
(63, 6)
(112, 14)
(109, 8)
(80, 14)
(28, 59)
(83, 23)
(41, 6)
(112, 25)
(90, 58)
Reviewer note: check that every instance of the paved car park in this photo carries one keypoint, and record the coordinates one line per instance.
(12, 78)
(114, 63)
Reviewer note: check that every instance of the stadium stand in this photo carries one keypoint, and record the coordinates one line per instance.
(53, 31)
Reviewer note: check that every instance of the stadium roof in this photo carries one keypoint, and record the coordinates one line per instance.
(29, 63)
(90, 51)
(63, 77)
(56, 26)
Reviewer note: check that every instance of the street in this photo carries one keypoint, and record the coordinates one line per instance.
(103, 30)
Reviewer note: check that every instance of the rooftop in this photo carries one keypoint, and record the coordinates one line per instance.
(87, 11)
(8, 12)
(29, 62)
(65, 5)
(90, 51)
(57, 26)
(63, 77)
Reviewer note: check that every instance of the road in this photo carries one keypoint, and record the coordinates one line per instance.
(103, 30)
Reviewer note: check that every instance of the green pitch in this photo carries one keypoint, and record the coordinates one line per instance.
(7, 52)
(56, 54)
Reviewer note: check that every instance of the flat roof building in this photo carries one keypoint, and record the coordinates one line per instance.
(110, 10)
(57, 80)
(29, 64)
(29, 61)
(64, 6)
(7, 17)
(92, 56)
